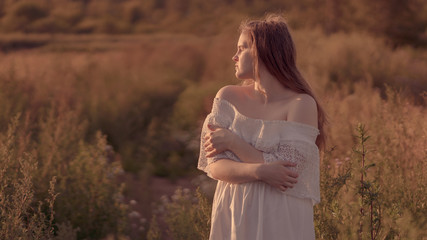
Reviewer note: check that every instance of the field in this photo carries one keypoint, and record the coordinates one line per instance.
(91, 120)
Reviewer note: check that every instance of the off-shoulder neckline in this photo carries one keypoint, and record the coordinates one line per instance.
(265, 120)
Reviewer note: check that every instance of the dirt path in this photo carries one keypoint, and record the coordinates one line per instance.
(143, 195)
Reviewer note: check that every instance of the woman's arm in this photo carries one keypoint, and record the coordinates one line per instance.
(253, 167)
(234, 172)
(276, 174)
(220, 139)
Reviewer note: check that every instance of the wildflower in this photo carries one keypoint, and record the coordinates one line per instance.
(142, 220)
(134, 214)
(178, 191)
(176, 197)
(164, 199)
(161, 209)
(133, 202)
(119, 197)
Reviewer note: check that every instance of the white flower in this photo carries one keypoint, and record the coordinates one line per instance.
(134, 214)
(176, 197)
(133, 202)
(164, 199)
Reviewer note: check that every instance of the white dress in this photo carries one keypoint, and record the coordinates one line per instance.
(255, 210)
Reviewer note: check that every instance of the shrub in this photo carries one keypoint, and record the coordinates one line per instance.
(89, 194)
(133, 12)
(22, 15)
(77, 179)
(89, 197)
(86, 26)
(30, 11)
(49, 25)
(385, 190)
(187, 216)
(22, 215)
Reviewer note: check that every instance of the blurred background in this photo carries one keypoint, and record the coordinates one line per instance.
(102, 101)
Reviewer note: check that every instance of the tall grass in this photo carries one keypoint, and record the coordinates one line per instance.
(54, 184)
(148, 95)
(21, 214)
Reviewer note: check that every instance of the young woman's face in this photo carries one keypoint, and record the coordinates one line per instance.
(243, 58)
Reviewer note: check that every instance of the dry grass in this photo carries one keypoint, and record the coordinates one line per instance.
(149, 93)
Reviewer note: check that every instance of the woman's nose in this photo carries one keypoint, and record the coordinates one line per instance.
(235, 58)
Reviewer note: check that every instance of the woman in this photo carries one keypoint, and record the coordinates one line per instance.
(261, 142)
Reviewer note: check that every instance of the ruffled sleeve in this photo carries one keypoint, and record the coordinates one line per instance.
(222, 115)
(296, 147)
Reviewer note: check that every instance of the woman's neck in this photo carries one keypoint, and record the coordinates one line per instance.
(268, 89)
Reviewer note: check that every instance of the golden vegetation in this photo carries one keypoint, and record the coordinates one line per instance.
(148, 93)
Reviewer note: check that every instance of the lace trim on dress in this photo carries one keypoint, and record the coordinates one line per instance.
(307, 159)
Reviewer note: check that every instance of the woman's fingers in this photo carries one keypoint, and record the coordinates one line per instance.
(278, 175)
(211, 153)
(288, 184)
(292, 180)
(208, 147)
(292, 174)
(288, 164)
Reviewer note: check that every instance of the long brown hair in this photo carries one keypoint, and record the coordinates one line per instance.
(272, 44)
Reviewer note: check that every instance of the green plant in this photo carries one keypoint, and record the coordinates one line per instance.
(328, 213)
(89, 194)
(154, 232)
(369, 191)
(187, 215)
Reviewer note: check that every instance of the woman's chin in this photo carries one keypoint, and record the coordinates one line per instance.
(243, 76)
(237, 75)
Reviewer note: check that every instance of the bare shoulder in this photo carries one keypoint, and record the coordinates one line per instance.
(231, 93)
(303, 109)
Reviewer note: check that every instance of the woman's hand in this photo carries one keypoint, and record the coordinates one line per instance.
(277, 174)
(218, 140)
